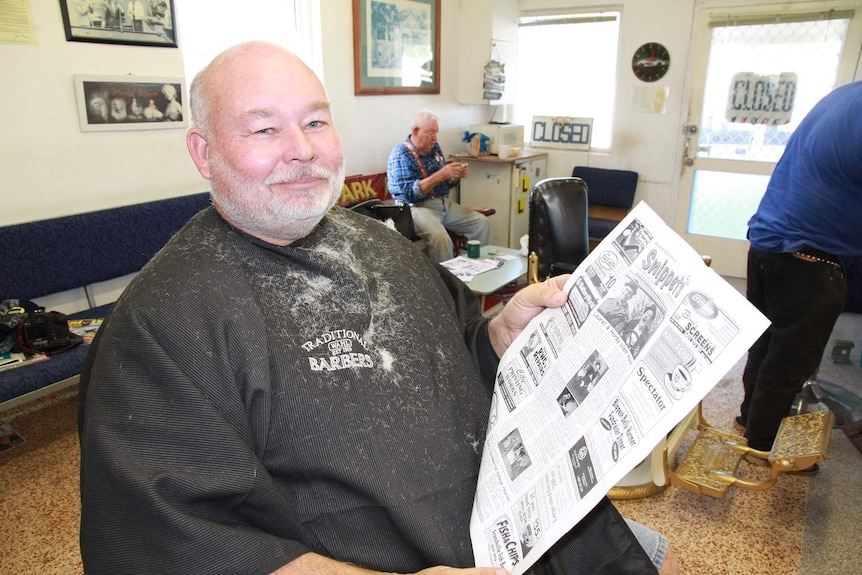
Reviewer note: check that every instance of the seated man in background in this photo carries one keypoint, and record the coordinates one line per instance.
(420, 176)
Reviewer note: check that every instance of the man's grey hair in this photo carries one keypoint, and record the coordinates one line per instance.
(424, 116)
(199, 103)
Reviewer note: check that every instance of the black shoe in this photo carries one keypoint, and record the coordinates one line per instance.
(739, 424)
(807, 472)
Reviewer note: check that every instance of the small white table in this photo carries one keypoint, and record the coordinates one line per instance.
(488, 282)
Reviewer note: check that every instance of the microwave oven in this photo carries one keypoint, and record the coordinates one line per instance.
(506, 134)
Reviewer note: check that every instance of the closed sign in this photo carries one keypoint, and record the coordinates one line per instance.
(561, 132)
(761, 99)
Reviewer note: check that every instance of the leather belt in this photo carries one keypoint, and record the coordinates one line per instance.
(810, 254)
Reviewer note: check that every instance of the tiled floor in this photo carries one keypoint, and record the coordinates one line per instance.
(39, 503)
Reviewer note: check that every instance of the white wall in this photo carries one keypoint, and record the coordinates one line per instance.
(371, 126)
(48, 166)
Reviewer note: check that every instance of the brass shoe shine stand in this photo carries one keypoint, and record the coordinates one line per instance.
(710, 466)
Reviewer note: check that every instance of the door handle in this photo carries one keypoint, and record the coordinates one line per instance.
(688, 131)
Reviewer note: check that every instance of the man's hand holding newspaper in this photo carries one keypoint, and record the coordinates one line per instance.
(520, 311)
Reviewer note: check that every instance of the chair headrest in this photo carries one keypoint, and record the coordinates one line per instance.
(609, 187)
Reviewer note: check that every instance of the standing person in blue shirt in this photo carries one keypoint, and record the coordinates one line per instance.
(807, 221)
(420, 176)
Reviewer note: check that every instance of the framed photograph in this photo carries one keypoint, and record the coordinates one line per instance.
(132, 22)
(396, 47)
(114, 103)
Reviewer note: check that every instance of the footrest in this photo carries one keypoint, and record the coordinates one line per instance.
(710, 465)
(802, 441)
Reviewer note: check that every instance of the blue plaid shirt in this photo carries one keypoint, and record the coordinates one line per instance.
(404, 174)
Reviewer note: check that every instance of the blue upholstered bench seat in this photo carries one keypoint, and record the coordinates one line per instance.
(73, 252)
(600, 227)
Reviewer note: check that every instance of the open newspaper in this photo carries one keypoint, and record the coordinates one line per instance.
(587, 391)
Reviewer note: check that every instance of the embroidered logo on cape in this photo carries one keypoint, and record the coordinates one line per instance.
(337, 349)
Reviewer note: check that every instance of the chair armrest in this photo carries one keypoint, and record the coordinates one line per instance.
(485, 211)
(533, 268)
(607, 212)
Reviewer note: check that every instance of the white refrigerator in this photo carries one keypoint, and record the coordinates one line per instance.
(503, 184)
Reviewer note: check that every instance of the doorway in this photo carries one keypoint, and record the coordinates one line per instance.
(757, 74)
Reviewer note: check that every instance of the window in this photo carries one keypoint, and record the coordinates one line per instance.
(807, 45)
(567, 66)
(206, 30)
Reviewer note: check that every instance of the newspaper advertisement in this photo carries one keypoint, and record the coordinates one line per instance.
(587, 391)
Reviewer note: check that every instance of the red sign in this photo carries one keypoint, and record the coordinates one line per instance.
(363, 187)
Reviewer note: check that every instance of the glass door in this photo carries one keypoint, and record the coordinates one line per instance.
(760, 74)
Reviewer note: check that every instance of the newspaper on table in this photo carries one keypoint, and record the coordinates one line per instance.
(587, 391)
(466, 269)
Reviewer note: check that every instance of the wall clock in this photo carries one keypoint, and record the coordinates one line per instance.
(650, 62)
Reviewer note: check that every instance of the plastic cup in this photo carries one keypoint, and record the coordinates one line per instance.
(473, 248)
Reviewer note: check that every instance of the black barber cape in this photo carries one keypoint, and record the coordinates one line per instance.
(246, 403)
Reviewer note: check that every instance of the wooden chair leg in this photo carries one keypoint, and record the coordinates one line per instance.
(459, 243)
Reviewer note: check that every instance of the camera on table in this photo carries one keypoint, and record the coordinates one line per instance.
(46, 331)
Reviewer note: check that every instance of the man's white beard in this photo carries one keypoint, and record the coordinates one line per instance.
(262, 212)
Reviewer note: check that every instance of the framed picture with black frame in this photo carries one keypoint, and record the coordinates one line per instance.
(121, 103)
(130, 22)
(396, 47)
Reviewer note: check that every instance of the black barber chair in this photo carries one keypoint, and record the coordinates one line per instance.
(558, 241)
